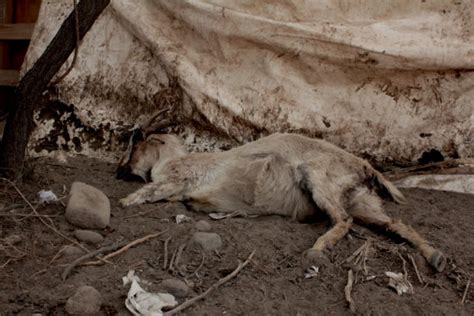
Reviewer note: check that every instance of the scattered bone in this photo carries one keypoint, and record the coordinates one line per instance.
(465, 292)
(348, 290)
(47, 197)
(399, 283)
(418, 274)
(311, 272)
(181, 218)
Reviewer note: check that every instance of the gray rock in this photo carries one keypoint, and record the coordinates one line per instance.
(88, 236)
(72, 251)
(87, 207)
(203, 226)
(86, 300)
(175, 287)
(208, 241)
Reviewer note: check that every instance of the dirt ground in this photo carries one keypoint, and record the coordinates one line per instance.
(272, 284)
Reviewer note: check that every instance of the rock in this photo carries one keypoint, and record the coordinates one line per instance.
(86, 300)
(175, 287)
(88, 236)
(13, 239)
(208, 241)
(87, 207)
(203, 226)
(70, 250)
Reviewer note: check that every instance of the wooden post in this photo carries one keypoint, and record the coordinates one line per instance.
(31, 87)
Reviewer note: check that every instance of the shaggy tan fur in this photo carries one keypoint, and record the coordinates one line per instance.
(284, 174)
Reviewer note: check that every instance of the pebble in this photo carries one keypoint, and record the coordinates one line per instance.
(86, 300)
(203, 226)
(87, 207)
(175, 287)
(70, 250)
(208, 241)
(88, 236)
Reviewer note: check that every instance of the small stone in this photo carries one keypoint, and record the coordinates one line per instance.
(208, 241)
(13, 239)
(88, 236)
(203, 226)
(86, 300)
(70, 250)
(87, 207)
(175, 287)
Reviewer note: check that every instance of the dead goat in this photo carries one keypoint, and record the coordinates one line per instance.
(284, 174)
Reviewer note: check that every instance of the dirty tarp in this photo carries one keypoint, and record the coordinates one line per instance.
(384, 79)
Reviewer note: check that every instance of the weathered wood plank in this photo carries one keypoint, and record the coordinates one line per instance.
(16, 31)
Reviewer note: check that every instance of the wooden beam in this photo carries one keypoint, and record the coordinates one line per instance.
(30, 89)
(9, 78)
(16, 31)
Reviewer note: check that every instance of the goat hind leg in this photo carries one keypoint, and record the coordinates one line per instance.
(367, 208)
(152, 192)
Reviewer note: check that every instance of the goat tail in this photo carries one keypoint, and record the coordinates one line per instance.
(388, 187)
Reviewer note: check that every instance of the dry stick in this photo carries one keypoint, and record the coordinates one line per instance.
(41, 218)
(172, 260)
(124, 248)
(87, 256)
(165, 262)
(465, 291)
(191, 301)
(11, 207)
(348, 290)
(418, 274)
(178, 256)
(28, 215)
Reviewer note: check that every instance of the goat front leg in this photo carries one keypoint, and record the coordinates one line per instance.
(152, 192)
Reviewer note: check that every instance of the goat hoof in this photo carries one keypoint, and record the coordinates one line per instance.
(316, 258)
(438, 261)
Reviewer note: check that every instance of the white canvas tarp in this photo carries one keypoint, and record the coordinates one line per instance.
(385, 79)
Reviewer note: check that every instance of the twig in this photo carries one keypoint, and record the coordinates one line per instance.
(465, 291)
(191, 301)
(172, 260)
(11, 207)
(27, 215)
(87, 256)
(165, 260)
(138, 214)
(124, 248)
(418, 274)
(348, 290)
(41, 218)
(6, 263)
(178, 257)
